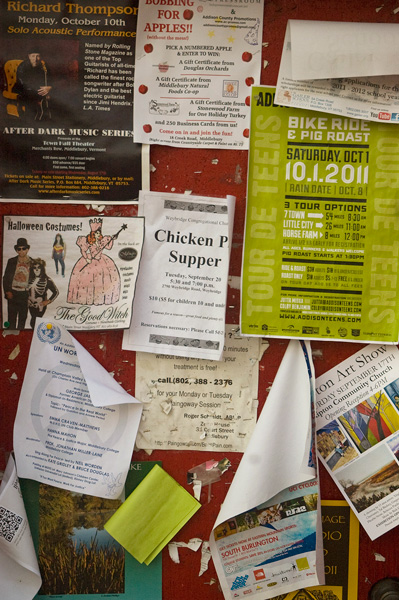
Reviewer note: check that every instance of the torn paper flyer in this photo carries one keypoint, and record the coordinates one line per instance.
(19, 572)
(75, 426)
(267, 537)
(348, 69)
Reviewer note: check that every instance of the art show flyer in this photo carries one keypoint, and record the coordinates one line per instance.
(180, 300)
(79, 272)
(66, 125)
(195, 64)
(75, 426)
(321, 251)
(267, 539)
(78, 533)
(196, 404)
(320, 71)
(357, 420)
(19, 572)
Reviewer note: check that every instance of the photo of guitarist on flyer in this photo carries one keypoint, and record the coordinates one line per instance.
(33, 86)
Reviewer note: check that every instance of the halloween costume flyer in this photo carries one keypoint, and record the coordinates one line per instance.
(195, 64)
(66, 122)
(78, 272)
(357, 428)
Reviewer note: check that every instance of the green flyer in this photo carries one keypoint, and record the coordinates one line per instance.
(321, 247)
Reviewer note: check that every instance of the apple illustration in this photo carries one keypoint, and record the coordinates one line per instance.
(249, 81)
(245, 133)
(148, 48)
(246, 57)
(188, 14)
(147, 128)
(143, 89)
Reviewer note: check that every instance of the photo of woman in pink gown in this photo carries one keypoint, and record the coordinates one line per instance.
(95, 278)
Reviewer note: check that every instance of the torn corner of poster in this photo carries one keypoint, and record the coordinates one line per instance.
(75, 426)
(195, 404)
(357, 423)
(180, 302)
(194, 73)
(269, 528)
(206, 473)
(19, 571)
(320, 71)
(80, 273)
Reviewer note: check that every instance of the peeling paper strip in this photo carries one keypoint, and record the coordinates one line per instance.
(378, 557)
(197, 487)
(173, 547)
(205, 557)
(13, 355)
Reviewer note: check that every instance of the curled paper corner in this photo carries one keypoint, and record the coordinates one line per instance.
(14, 376)
(378, 557)
(205, 558)
(212, 581)
(13, 355)
(152, 168)
(173, 547)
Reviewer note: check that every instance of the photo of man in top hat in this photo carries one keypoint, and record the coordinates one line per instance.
(15, 284)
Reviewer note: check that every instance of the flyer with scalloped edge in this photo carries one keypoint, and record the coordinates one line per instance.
(195, 64)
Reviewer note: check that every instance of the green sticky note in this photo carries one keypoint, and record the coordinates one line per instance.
(152, 515)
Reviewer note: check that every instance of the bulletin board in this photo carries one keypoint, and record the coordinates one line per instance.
(216, 173)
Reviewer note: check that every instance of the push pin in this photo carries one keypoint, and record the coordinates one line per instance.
(6, 324)
(49, 326)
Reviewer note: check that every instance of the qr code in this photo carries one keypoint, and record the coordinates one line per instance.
(10, 522)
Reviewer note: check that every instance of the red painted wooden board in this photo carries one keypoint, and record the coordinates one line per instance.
(212, 173)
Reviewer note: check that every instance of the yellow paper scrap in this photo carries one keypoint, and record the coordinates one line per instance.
(152, 515)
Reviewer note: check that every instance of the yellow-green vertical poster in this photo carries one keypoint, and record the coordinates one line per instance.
(321, 248)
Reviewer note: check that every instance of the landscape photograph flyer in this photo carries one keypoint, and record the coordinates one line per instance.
(195, 64)
(68, 527)
(79, 272)
(267, 538)
(321, 70)
(180, 300)
(66, 124)
(321, 252)
(357, 429)
(75, 425)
